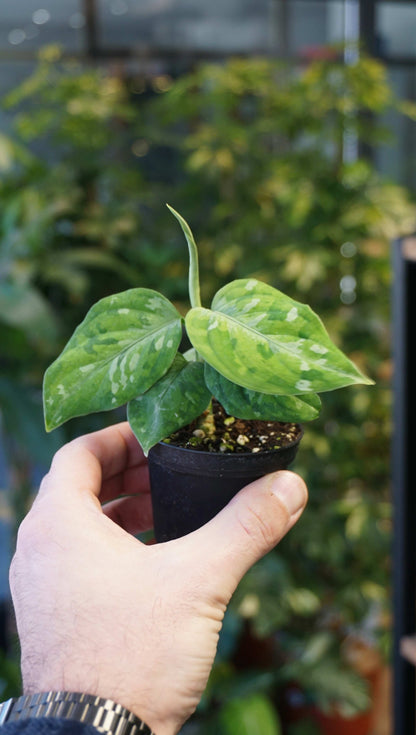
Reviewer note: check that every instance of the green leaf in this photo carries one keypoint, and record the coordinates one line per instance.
(253, 715)
(263, 340)
(124, 345)
(178, 398)
(21, 414)
(24, 307)
(94, 258)
(249, 404)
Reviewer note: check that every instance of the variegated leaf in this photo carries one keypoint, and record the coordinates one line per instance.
(263, 340)
(124, 345)
(249, 404)
(178, 398)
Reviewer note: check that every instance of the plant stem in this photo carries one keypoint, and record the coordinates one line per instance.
(206, 421)
(193, 281)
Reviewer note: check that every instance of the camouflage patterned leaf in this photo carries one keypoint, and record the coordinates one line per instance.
(249, 404)
(178, 398)
(124, 345)
(263, 340)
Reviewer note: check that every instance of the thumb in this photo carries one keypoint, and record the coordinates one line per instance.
(254, 521)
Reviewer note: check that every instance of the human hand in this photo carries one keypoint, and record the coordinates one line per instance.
(101, 613)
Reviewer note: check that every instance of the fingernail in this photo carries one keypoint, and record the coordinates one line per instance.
(290, 490)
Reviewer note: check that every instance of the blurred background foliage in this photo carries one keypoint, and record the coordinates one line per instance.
(255, 154)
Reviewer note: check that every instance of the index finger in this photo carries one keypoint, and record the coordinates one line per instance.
(99, 464)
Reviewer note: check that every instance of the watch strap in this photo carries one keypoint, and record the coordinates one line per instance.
(106, 716)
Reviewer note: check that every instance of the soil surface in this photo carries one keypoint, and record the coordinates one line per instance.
(229, 434)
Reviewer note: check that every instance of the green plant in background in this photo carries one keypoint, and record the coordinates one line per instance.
(263, 147)
(10, 678)
(259, 352)
(65, 215)
(251, 714)
(260, 146)
(72, 212)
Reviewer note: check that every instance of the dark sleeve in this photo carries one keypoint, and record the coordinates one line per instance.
(47, 726)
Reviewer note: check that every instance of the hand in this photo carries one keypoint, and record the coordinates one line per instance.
(99, 612)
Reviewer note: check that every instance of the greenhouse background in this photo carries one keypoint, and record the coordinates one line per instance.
(284, 131)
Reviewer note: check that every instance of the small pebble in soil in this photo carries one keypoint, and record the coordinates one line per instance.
(199, 433)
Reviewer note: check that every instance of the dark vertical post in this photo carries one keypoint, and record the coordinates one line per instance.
(368, 38)
(368, 26)
(91, 34)
(404, 480)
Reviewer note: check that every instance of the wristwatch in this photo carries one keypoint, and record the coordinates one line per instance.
(104, 714)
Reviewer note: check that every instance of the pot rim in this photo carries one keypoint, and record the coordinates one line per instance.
(194, 461)
(198, 452)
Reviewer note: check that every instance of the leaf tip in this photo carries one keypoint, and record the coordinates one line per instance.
(183, 223)
(363, 379)
(50, 424)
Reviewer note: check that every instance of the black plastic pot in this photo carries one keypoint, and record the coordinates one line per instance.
(190, 487)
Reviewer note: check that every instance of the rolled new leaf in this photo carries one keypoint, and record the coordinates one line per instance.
(177, 398)
(193, 280)
(124, 345)
(261, 339)
(249, 404)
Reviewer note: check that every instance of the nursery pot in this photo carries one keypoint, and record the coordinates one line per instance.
(189, 487)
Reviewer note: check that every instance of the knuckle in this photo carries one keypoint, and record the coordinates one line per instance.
(33, 534)
(25, 531)
(257, 527)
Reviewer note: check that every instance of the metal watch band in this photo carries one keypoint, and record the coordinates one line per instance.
(103, 714)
